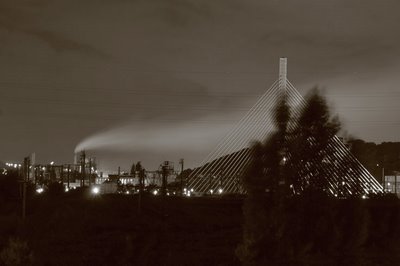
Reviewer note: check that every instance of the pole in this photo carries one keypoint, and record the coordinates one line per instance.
(181, 162)
(83, 164)
(25, 178)
(90, 170)
(69, 170)
(62, 174)
(35, 174)
(33, 162)
(164, 173)
(383, 178)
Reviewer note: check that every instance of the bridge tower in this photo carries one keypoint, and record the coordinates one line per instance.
(283, 74)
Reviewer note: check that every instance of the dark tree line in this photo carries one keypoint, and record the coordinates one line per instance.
(379, 159)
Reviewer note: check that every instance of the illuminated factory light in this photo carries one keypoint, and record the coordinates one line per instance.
(95, 190)
(155, 192)
(211, 191)
(39, 190)
(220, 191)
(51, 163)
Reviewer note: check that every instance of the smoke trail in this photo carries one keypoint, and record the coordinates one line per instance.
(187, 137)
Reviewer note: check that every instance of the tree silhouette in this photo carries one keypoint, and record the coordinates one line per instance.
(264, 181)
(280, 224)
(309, 145)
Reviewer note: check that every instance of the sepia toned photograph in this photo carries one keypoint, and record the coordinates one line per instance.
(197, 132)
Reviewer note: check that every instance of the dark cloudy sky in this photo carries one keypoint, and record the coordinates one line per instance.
(158, 80)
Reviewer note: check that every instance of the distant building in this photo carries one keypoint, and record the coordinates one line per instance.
(392, 184)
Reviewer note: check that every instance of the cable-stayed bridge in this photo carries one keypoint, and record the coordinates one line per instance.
(221, 170)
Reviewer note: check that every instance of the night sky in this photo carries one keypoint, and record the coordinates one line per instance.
(161, 80)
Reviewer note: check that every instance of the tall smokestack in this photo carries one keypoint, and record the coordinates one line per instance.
(33, 162)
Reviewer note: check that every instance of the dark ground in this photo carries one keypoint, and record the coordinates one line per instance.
(75, 229)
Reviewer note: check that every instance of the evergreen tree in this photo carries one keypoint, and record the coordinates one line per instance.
(281, 226)
(309, 145)
(264, 181)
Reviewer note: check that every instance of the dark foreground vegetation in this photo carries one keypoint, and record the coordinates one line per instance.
(78, 229)
(315, 229)
(75, 229)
